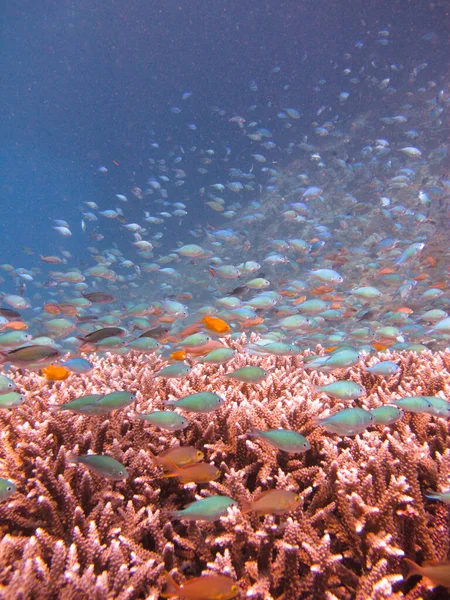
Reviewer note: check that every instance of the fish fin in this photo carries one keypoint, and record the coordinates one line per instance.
(171, 513)
(175, 470)
(432, 495)
(172, 589)
(413, 569)
(154, 458)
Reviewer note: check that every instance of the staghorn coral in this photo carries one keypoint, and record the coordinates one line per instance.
(70, 534)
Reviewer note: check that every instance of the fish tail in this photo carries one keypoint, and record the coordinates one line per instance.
(253, 431)
(72, 458)
(413, 568)
(172, 589)
(171, 513)
(432, 495)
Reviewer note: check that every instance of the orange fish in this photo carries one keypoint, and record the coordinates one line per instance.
(55, 373)
(252, 322)
(299, 300)
(178, 355)
(421, 277)
(379, 346)
(51, 308)
(330, 349)
(434, 573)
(16, 325)
(405, 310)
(386, 271)
(274, 502)
(288, 294)
(190, 330)
(204, 349)
(216, 324)
(322, 289)
(201, 472)
(180, 456)
(430, 261)
(210, 587)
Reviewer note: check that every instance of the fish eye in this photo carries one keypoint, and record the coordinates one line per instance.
(9, 488)
(199, 453)
(10, 385)
(297, 498)
(234, 588)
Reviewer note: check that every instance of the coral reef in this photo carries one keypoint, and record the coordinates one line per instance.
(68, 533)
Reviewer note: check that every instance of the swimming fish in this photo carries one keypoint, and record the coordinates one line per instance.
(272, 502)
(30, 356)
(283, 439)
(344, 390)
(209, 587)
(349, 421)
(55, 373)
(7, 385)
(248, 374)
(102, 465)
(208, 509)
(11, 399)
(178, 455)
(164, 419)
(201, 472)
(215, 324)
(434, 572)
(7, 489)
(201, 402)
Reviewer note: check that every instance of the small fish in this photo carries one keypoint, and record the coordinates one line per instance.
(386, 415)
(347, 422)
(7, 385)
(102, 334)
(99, 297)
(78, 404)
(179, 456)
(385, 368)
(102, 465)
(283, 439)
(201, 402)
(434, 572)
(248, 374)
(11, 399)
(164, 419)
(442, 496)
(219, 356)
(210, 587)
(215, 324)
(33, 355)
(208, 509)
(272, 502)
(201, 472)
(108, 402)
(77, 365)
(344, 390)
(55, 373)
(7, 489)
(176, 370)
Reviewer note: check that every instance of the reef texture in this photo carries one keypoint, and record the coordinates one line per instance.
(68, 533)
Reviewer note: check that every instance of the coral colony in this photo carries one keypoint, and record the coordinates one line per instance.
(349, 511)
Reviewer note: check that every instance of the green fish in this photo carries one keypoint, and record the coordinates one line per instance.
(164, 419)
(11, 399)
(107, 403)
(102, 465)
(144, 344)
(248, 374)
(208, 509)
(12, 339)
(7, 385)
(194, 340)
(7, 489)
(78, 404)
(283, 439)
(219, 356)
(176, 370)
(201, 402)
(386, 415)
(385, 368)
(349, 421)
(442, 496)
(415, 404)
(344, 390)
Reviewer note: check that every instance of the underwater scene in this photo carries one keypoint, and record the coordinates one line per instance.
(225, 300)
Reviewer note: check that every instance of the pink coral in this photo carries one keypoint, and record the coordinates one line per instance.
(70, 534)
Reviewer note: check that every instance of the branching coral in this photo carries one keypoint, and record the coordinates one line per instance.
(68, 533)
